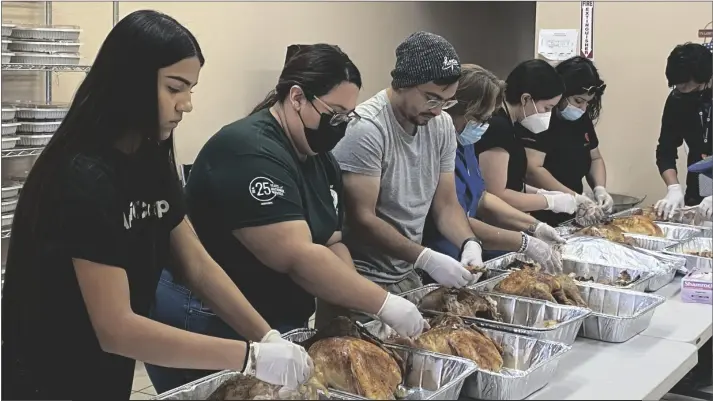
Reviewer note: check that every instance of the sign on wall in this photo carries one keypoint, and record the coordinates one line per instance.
(586, 47)
(557, 44)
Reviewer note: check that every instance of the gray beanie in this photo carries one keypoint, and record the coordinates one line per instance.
(424, 57)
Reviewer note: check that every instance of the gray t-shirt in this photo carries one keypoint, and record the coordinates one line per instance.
(409, 167)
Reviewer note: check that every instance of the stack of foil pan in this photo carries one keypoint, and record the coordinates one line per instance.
(528, 365)
(699, 244)
(617, 314)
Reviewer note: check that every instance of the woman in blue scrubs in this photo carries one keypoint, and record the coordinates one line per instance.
(500, 226)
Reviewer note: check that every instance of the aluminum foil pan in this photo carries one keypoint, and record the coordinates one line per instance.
(8, 113)
(5, 44)
(7, 30)
(44, 47)
(9, 205)
(34, 140)
(6, 220)
(45, 59)
(528, 365)
(202, 388)
(39, 126)
(10, 189)
(675, 264)
(522, 316)
(617, 315)
(41, 111)
(9, 128)
(9, 142)
(651, 243)
(698, 244)
(685, 216)
(46, 32)
(7, 57)
(429, 376)
(679, 232)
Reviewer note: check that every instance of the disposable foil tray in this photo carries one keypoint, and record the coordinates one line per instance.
(9, 205)
(688, 223)
(651, 243)
(39, 126)
(202, 388)
(522, 316)
(44, 47)
(8, 113)
(10, 189)
(528, 365)
(33, 112)
(5, 44)
(617, 315)
(9, 128)
(698, 244)
(45, 59)
(9, 142)
(34, 140)
(6, 220)
(679, 232)
(429, 376)
(46, 32)
(7, 30)
(7, 57)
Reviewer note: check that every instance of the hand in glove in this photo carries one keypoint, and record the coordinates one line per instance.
(705, 209)
(546, 233)
(673, 200)
(279, 363)
(541, 252)
(603, 199)
(274, 337)
(402, 316)
(560, 202)
(443, 268)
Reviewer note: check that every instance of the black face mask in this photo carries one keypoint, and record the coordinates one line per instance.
(326, 136)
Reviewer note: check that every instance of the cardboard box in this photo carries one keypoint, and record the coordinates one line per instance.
(697, 286)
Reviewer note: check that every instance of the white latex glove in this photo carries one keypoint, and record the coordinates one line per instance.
(603, 199)
(673, 200)
(279, 363)
(402, 316)
(443, 268)
(541, 252)
(546, 233)
(472, 255)
(705, 209)
(546, 192)
(274, 336)
(560, 202)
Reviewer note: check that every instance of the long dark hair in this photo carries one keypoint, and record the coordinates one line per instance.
(581, 77)
(119, 96)
(317, 69)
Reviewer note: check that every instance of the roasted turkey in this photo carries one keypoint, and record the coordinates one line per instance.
(347, 358)
(638, 225)
(250, 388)
(607, 231)
(461, 302)
(530, 282)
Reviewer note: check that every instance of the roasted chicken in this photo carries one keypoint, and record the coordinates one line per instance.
(461, 302)
(638, 225)
(347, 358)
(530, 282)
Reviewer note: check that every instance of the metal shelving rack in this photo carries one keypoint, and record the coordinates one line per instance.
(48, 70)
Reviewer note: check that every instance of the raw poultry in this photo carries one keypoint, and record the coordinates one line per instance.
(530, 282)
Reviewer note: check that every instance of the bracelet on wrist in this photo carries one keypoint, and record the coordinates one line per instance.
(248, 357)
(462, 247)
(524, 242)
(532, 228)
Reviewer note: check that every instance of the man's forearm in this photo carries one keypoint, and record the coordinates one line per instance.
(670, 177)
(323, 274)
(452, 222)
(541, 178)
(387, 239)
(499, 213)
(219, 292)
(496, 239)
(597, 176)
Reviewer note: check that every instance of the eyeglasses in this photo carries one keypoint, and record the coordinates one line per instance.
(435, 103)
(592, 90)
(338, 118)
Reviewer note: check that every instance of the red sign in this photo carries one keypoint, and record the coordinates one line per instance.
(586, 47)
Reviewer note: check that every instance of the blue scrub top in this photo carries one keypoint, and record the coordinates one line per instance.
(704, 166)
(469, 187)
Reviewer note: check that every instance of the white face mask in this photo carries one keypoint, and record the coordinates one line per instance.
(538, 122)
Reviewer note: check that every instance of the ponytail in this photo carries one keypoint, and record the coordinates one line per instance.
(269, 101)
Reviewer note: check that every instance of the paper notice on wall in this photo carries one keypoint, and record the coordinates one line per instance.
(557, 44)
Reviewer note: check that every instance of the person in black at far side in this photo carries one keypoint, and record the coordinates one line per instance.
(560, 158)
(265, 197)
(686, 119)
(98, 215)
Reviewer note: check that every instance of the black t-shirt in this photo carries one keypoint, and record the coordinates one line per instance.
(686, 117)
(110, 209)
(567, 145)
(502, 133)
(249, 175)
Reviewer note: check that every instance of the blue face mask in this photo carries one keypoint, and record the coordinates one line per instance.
(571, 113)
(472, 133)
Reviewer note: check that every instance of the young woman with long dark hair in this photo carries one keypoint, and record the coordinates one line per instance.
(99, 216)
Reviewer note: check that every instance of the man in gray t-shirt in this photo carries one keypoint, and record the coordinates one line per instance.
(398, 161)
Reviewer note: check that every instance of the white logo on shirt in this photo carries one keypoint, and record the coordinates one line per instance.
(449, 63)
(139, 210)
(264, 190)
(335, 198)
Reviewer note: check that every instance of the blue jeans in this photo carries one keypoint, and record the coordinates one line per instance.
(488, 255)
(176, 306)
